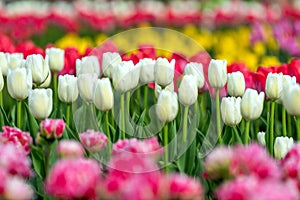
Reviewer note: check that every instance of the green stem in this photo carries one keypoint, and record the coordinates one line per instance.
(123, 116)
(298, 128)
(47, 150)
(55, 96)
(68, 114)
(246, 136)
(271, 133)
(284, 121)
(138, 96)
(289, 125)
(145, 96)
(185, 120)
(1, 99)
(107, 131)
(218, 113)
(166, 148)
(233, 135)
(19, 114)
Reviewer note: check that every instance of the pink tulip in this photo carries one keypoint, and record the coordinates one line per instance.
(52, 128)
(69, 149)
(93, 141)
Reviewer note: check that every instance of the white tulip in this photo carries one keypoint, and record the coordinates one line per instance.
(88, 65)
(147, 70)
(125, 76)
(195, 69)
(39, 68)
(86, 85)
(282, 146)
(164, 71)
(103, 95)
(15, 60)
(261, 138)
(1, 81)
(158, 89)
(4, 62)
(274, 85)
(56, 58)
(67, 88)
(188, 90)
(40, 103)
(252, 104)
(217, 73)
(231, 110)
(19, 81)
(291, 99)
(109, 62)
(167, 106)
(47, 82)
(286, 81)
(236, 84)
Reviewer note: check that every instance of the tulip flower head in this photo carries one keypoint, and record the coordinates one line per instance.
(188, 90)
(147, 70)
(282, 146)
(286, 81)
(4, 62)
(164, 71)
(1, 81)
(86, 85)
(40, 103)
(88, 65)
(252, 104)
(109, 62)
(67, 88)
(39, 68)
(167, 106)
(52, 128)
(69, 149)
(195, 69)
(56, 58)
(261, 138)
(15, 60)
(19, 81)
(274, 85)
(291, 99)
(103, 95)
(231, 110)
(217, 73)
(93, 141)
(236, 84)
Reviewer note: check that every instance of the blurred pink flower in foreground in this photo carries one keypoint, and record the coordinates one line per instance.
(93, 141)
(16, 137)
(14, 160)
(52, 128)
(69, 149)
(73, 179)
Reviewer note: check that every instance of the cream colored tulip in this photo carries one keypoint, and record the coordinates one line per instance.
(39, 68)
(56, 58)
(282, 146)
(103, 95)
(109, 62)
(286, 81)
(67, 88)
(86, 85)
(19, 81)
(4, 62)
(88, 65)
(167, 106)
(217, 73)
(291, 99)
(261, 138)
(195, 69)
(231, 111)
(147, 70)
(274, 85)
(15, 60)
(40, 103)
(252, 104)
(188, 90)
(236, 84)
(164, 71)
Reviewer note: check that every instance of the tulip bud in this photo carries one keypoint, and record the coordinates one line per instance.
(236, 84)
(86, 85)
(67, 88)
(52, 128)
(274, 86)
(231, 110)
(15, 60)
(252, 104)
(4, 62)
(56, 58)
(103, 95)
(167, 106)
(1, 81)
(147, 70)
(40, 103)
(158, 89)
(217, 73)
(19, 81)
(39, 68)
(69, 149)
(88, 65)
(93, 141)
(261, 138)
(291, 99)
(195, 69)
(125, 76)
(286, 81)
(188, 90)
(282, 146)
(164, 71)
(109, 62)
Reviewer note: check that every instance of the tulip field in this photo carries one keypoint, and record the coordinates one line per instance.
(150, 100)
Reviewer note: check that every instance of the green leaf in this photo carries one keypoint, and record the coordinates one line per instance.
(33, 126)
(190, 158)
(37, 158)
(4, 117)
